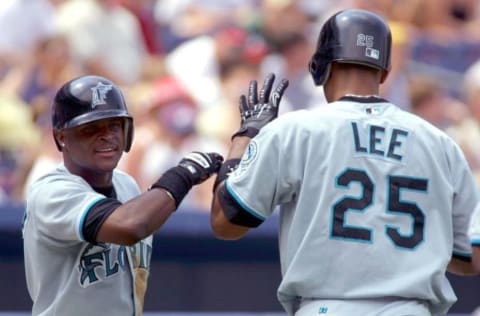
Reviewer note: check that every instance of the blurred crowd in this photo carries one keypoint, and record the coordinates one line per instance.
(182, 65)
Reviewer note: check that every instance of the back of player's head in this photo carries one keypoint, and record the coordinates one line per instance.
(352, 36)
(90, 98)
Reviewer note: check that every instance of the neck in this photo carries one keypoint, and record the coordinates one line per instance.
(96, 178)
(348, 80)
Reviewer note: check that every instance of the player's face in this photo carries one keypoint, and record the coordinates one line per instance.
(93, 148)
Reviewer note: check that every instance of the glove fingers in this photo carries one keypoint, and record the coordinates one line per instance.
(252, 94)
(266, 89)
(201, 165)
(278, 93)
(217, 161)
(201, 159)
(243, 107)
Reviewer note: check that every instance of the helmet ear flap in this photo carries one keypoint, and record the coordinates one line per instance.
(319, 68)
(313, 67)
(128, 134)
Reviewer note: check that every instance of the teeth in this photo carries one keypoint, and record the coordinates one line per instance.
(105, 149)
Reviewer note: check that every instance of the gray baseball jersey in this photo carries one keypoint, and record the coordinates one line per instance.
(374, 201)
(67, 275)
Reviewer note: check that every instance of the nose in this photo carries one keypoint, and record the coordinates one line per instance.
(106, 132)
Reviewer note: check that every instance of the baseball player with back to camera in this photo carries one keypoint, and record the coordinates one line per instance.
(88, 228)
(374, 201)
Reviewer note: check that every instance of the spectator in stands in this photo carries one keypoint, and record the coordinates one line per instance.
(467, 132)
(182, 20)
(430, 100)
(150, 29)
(22, 24)
(197, 63)
(49, 65)
(105, 39)
(19, 140)
(289, 51)
(396, 88)
(445, 45)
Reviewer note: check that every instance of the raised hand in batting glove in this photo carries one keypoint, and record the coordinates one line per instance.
(257, 110)
(193, 169)
(201, 165)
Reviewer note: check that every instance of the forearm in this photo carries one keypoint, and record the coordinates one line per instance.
(221, 227)
(256, 110)
(143, 215)
(476, 258)
(238, 146)
(235, 153)
(459, 267)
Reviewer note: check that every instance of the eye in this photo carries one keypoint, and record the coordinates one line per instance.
(88, 130)
(116, 125)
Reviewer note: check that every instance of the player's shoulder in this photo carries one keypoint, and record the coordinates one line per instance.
(122, 176)
(58, 174)
(429, 133)
(422, 126)
(58, 181)
(121, 179)
(295, 118)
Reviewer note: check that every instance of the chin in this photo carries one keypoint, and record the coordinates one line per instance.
(107, 165)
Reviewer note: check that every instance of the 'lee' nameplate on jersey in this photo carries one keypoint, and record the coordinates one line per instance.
(377, 141)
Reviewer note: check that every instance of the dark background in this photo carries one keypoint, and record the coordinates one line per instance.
(193, 271)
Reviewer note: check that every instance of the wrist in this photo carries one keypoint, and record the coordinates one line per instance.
(249, 132)
(176, 182)
(225, 170)
(238, 147)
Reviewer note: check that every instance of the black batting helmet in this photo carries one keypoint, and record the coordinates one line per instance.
(90, 98)
(351, 36)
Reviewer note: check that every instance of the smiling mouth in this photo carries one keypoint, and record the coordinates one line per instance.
(106, 150)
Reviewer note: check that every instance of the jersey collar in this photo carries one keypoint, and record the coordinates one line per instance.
(363, 98)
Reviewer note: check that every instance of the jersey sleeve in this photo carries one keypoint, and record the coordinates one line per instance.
(262, 179)
(466, 197)
(58, 206)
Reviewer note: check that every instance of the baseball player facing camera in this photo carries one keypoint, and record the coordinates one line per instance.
(374, 201)
(88, 228)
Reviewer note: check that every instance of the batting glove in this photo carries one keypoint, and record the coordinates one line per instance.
(256, 111)
(193, 169)
(201, 165)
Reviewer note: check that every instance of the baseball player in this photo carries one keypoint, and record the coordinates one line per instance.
(87, 229)
(374, 201)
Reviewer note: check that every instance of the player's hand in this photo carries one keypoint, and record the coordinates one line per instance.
(257, 110)
(201, 165)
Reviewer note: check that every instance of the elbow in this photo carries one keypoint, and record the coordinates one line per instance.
(130, 241)
(476, 266)
(135, 234)
(221, 226)
(224, 233)
(223, 229)
(476, 258)
(463, 268)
